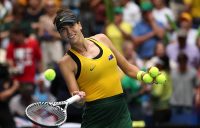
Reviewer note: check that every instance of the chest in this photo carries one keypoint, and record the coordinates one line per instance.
(144, 28)
(103, 63)
(92, 52)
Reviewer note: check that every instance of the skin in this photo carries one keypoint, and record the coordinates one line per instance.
(88, 49)
(186, 24)
(118, 18)
(160, 49)
(50, 8)
(159, 4)
(128, 52)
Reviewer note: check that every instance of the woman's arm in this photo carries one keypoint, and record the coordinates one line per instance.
(68, 69)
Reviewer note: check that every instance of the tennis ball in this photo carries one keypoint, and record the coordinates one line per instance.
(139, 75)
(161, 78)
(50, 74)
(153, 71)
(147, 78)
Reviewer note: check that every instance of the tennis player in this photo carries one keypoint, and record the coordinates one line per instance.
(90, 69)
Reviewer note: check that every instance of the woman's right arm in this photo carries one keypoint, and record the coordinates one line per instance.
(68, 69)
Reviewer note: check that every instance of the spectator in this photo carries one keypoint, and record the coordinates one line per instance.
(7, 90)
(42, 92)
(193, 7)
(7, 5)
(185, 22)
(159, 56)
(177, 7)
(2, 55)
(198, 43)
(16, 19)
(86, 18)
(191, 51)
(21, 2)
(132, 88)
(184, 81)
(160, 11)
(147, 32)
(71, 3)
(50, 39)
(130, 54)
(197, 98)
(23, 56)
(165, 15)
(33, 11)
(131, 13)
(118, 31)
(99, 13)
(161, 94)
(197, 101)
(19, 102)
(198, 46)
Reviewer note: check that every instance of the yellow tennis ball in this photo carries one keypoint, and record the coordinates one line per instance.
(153, 71)
(139, 75)
(147, 78)
(50, 74)
(161, 78)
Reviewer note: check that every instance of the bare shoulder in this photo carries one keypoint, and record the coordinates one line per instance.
(99, 36)
(67, 61)
(103, 39)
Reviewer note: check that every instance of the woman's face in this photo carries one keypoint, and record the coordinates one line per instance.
(71, 32)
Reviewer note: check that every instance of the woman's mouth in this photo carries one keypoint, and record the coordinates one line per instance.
(71, 36)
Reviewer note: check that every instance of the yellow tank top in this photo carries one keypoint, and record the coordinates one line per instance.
(98, 77)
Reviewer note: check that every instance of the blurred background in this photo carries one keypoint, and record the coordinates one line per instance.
(162, 33)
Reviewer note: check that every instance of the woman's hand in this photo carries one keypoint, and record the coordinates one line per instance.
(82, 95)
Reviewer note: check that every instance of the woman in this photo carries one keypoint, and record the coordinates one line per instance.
(90, 69)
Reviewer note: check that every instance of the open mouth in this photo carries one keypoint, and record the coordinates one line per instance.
(71, 36)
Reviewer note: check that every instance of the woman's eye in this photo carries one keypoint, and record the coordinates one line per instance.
(62, 30)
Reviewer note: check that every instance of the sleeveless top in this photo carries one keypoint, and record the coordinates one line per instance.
(98, 77)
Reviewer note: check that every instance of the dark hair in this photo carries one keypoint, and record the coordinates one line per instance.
(18, 10)
(182, 58)
(18, 29)
(64, 17)
(4, 73)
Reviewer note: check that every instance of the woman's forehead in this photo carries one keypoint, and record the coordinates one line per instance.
(69, 25)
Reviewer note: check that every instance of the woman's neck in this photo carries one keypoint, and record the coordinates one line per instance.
(81, 47)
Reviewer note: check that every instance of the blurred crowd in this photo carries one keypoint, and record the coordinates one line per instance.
(162, 33)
